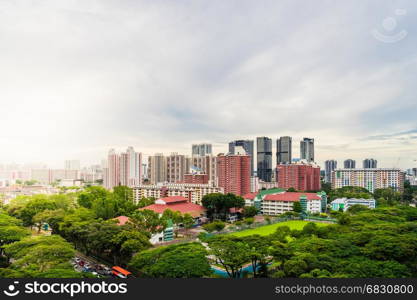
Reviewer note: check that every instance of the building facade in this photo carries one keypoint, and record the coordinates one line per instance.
(329, 167)
(49, 176)
(345, 203)
(234, 173)
(264, 158)
(307, 149)
(193, 192)
(349, 164)
(72, 165)
(370, 179)
(206, 164)
(247, 145)
(284, 150)
(157, 168)
(177, 166)
(201, 149)
(370, 163)
(302, 176)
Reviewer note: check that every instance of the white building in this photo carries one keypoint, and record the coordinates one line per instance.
(72, 165)
(345, 203)
(276, 204)
(277, 201)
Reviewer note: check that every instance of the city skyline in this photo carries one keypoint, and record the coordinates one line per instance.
(136, 75)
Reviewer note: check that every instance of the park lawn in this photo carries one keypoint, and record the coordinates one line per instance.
(268, 229)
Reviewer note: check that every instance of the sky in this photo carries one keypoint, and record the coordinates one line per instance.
(80, 77)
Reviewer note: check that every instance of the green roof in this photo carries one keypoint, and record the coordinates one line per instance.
(262, 193)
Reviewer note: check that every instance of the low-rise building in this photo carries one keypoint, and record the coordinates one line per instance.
(278, 201)
(179, 204)
(192, 191)
(345, 203)
(158, 237)
(277, 204)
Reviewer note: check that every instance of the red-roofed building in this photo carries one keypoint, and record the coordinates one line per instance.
(276, 204)
(249, 198)
(177, 203)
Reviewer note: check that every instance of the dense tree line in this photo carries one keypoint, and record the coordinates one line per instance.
(23, 255)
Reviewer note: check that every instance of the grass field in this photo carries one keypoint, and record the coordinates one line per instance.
(268, 229)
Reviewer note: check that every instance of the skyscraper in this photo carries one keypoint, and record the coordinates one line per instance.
(264, 158)
(370, 163)
(134, 167)
(234, 172)
(157, 168)
(349, 164)
(284, 150)
(307, 149)
(201, 149)
(112, 172)
(248, 147)
(330, 166)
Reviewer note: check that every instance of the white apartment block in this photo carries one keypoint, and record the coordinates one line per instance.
(276, 204)
(193, 192)
(370, 179)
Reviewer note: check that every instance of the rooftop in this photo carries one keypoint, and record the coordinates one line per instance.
(292, 196)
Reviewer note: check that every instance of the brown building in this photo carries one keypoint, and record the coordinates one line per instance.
(196, 178)
(234, 172)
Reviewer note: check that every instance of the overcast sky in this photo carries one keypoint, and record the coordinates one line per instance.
(80, 77)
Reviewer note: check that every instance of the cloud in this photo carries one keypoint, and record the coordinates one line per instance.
(79, 77)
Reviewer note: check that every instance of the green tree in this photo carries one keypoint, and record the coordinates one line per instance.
(250, 211)
(175, 261)
(297, 207)
(232, 255)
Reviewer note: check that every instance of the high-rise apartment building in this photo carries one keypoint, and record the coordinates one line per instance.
(201, 149)
(329, 167)
(307, 149)
(370, 179)
(234, 172)
(302, 176)
(206, 164)
(123, 169)
(72, 165)
(157, 168)
(349, 164)
(112, 172)
(264, 158)
(247, 145)
(284, 150)
(370, 163)
(134, 167)
(177, 166)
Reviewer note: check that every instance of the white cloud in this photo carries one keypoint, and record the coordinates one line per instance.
(79, 77)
